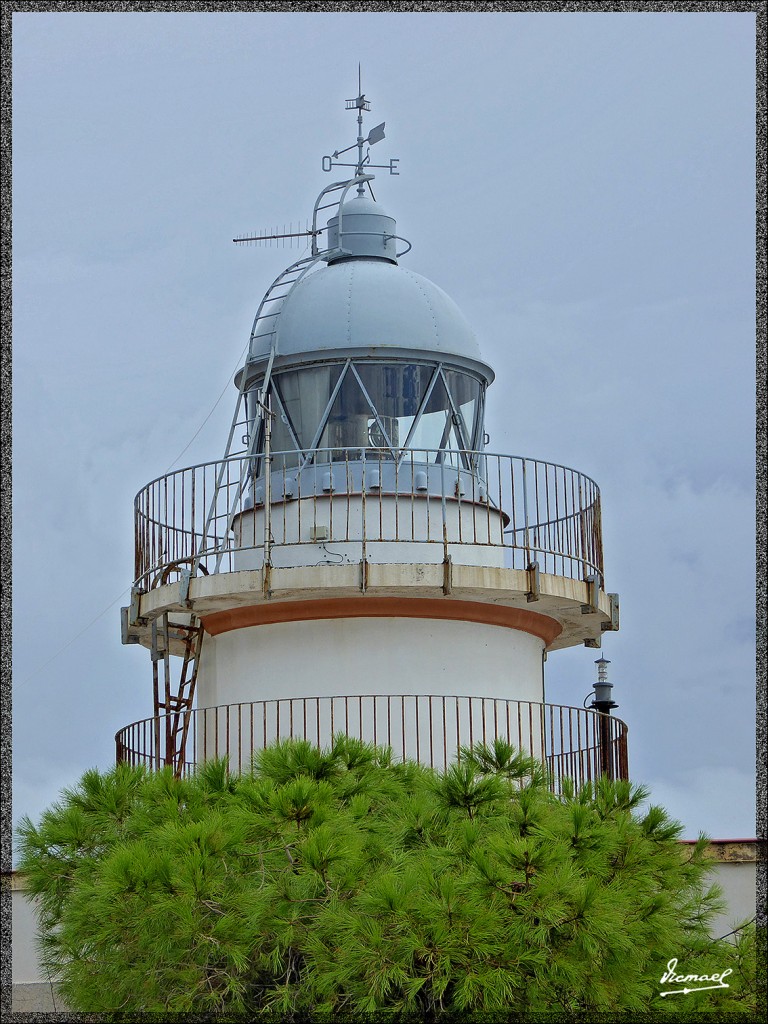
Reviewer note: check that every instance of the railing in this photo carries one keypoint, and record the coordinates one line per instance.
(516, 510)
(571, 742)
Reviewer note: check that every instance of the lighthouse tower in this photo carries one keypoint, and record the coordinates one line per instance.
(357, 561)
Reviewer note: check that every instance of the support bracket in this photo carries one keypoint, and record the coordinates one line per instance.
(613, 625)
(447, 575)
(363, 575)
(534, 582)
(134, 619)
(185, 577)
(127, 636)
(593, 592)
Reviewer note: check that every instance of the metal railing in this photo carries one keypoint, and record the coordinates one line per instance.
(516, 510)
(571, 742)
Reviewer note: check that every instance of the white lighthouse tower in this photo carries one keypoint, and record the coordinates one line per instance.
(357, 561)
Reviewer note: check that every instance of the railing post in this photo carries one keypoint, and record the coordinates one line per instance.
(583, 532)
(267, 495)
(443, 509)
(526, 535)
(363, 531)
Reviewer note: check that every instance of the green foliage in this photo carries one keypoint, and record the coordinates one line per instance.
(339, 883)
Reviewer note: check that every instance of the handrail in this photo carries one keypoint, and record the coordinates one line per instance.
(572, 743)
(529, 509)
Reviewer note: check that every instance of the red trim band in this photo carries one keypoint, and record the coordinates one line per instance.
(542, 626)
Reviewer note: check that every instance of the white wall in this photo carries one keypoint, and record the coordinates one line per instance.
(738, 880)
(324, 657)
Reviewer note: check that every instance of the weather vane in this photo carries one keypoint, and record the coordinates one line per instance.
(360, 103)
(363, 164)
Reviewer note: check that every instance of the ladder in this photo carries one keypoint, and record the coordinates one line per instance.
(277, 292)
(266, 316)
(173, 707)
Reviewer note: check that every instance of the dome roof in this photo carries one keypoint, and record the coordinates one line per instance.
(369, 307)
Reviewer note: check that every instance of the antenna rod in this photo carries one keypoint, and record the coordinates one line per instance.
(267, 238)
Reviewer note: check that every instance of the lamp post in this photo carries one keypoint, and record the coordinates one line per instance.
(602, 703)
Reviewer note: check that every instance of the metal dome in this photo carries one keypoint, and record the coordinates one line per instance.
(366, 230)
(369, 307)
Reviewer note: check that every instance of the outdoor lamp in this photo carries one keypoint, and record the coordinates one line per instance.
(603, 701)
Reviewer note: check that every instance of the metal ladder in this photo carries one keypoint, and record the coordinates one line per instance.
(277, 291)
(174, 708)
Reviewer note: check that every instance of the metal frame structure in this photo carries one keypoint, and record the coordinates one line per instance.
(468, 434)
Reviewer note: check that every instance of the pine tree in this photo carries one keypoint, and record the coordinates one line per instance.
(337, 882)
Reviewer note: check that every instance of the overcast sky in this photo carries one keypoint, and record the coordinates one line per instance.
(582, 185)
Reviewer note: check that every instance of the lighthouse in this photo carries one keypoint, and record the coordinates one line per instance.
(359, 559)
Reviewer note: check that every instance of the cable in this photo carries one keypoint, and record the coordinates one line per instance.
(77, 636)
(213, 409)
(128, 590)
(215, 404)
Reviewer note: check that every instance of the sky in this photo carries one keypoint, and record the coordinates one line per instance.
(581, 184)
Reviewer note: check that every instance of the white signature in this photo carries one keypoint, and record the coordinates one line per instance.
(671, 977)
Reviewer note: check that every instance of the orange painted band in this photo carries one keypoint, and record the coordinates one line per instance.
(383, 607)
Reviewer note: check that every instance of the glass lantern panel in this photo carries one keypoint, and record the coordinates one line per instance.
(435, 430)
(465, 392)
(304, 395)
(349, 420)
(396, 391)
